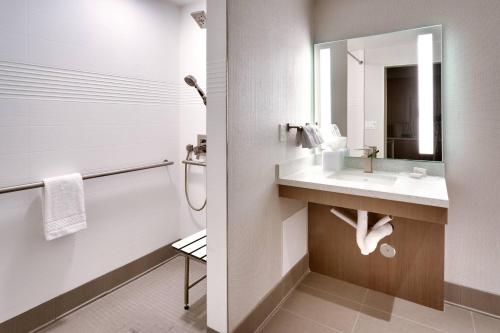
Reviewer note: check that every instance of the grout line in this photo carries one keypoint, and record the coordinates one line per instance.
(107, 292)
(397, 315)
(279, 306)
(359, 312)
(473, 321)
(377, 309)
(472, 310)
(311, 320)
(406, 318)
(336, 295)
(365, 296)
(356, 321)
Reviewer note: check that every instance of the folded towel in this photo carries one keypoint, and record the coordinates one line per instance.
(317, 135)
(309, 137)
(298, 138)
(63, 206)
(308, 140)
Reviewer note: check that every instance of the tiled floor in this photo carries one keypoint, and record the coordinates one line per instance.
(151, 304)
(325, 305)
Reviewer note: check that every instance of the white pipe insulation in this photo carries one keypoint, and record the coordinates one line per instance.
(367, 241)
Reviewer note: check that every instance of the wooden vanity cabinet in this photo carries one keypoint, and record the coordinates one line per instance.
(416, 273)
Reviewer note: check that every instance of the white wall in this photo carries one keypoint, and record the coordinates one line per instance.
(294, 240)
(270, 74)
(355, 101)
(192, 114)
(339, 91)
(470, 114)
(85, 86)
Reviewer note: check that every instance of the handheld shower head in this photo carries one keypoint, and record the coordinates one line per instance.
(191, 81)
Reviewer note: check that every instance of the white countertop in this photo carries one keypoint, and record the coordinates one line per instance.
(396, 186)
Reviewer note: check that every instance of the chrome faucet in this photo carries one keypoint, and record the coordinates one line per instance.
(369, 153)
(196, 150)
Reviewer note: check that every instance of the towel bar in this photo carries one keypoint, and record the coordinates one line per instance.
(89, 176)
(289, 127)
(298, 128)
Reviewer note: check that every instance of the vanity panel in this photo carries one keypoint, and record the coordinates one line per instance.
(412, 211)
(416, 273)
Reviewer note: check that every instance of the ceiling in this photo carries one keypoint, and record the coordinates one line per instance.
(182, 2)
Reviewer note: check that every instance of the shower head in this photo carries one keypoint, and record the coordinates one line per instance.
(200, 17)
(191, 81)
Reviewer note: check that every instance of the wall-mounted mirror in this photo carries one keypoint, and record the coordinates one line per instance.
(383, 91)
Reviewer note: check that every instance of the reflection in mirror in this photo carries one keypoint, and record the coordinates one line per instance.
(383, 91)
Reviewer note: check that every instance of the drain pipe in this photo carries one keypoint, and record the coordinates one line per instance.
(367, 241)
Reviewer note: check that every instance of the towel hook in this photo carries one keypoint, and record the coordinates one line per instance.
(289, 127)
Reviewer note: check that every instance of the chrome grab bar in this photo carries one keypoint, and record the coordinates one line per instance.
(29, 186)
(198, 163)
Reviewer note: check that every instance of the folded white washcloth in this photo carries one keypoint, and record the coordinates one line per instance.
(63, 206)
(312, 136)
(308, 136)
(318, 138)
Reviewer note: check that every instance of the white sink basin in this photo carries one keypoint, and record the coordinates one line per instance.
(394, 185)
(358, 176)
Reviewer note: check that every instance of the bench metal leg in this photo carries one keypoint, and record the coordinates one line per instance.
(186, 283)
(188, 286)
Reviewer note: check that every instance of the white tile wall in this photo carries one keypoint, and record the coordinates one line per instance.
(86, 86)
(192, 114)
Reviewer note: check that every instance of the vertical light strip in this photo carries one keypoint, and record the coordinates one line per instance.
(325, 87)
(425, 95)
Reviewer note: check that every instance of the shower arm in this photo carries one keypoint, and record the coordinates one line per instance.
(355, 58)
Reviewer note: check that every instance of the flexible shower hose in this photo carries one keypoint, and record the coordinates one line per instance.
(187, 193)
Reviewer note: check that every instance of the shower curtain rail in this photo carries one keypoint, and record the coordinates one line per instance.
(89, 176)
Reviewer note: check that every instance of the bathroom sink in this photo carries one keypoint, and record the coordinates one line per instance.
(394, 185)
(358, 176)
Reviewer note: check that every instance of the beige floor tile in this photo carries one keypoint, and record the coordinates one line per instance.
(485, 324)
(373, 321)
(335, 286)
(452, 319)
(286, 322)
(326, 309)
(151, 304)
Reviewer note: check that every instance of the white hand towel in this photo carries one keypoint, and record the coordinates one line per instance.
(63, 206)
(308, 140)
